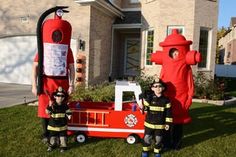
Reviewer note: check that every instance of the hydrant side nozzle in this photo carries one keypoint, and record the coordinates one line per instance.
(198, 57)
(193, 57)
(157, 57)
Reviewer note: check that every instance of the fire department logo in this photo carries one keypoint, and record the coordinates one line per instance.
(130, 120)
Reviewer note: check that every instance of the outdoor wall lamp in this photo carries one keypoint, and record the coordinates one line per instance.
(82, 45)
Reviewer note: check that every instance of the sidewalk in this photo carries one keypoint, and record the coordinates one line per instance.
(15, 94)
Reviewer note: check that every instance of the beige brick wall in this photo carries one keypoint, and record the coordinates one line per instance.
(117, 2)
(100, 46)
(206, 15)
(12, 11)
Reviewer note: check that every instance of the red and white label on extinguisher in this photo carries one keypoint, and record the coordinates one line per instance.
(55, 59)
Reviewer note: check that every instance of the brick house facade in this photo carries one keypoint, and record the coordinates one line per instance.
(118, 35)
(227, 45)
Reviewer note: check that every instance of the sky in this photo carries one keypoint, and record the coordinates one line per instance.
(227, 9)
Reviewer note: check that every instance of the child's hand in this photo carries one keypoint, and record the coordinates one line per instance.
(48, 112)
(70, 90)
(167, 127)
(69, 117)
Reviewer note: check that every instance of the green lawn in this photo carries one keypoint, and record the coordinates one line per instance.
(212, 133)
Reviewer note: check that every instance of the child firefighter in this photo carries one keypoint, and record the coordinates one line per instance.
(59, 113)
(158, 118)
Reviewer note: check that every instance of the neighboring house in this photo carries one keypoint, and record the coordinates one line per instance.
(117, 36)
(227, 45)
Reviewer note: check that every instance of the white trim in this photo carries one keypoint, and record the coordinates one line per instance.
(117, 130)
(121, 26)
(131, 9)
(209, 48)
(134, 1)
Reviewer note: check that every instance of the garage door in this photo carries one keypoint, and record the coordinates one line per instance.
(16, 55)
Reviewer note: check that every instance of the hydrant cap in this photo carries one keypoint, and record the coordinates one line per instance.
(175, 39)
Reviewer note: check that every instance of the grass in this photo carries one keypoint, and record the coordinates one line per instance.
(211, 133)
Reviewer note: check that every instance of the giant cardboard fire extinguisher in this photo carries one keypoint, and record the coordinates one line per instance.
(53, 39)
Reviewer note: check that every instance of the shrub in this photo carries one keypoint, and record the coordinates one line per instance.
(208, 88)
(145, 81)
(105, 92)
(98, 93)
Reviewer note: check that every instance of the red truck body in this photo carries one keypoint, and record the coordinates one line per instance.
(99, 119)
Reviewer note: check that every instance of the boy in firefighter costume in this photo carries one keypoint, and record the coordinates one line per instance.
(59, 112)
(176, 60)
(158, 118)
(54, 63)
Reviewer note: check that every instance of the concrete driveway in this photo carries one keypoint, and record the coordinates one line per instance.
(15, 94)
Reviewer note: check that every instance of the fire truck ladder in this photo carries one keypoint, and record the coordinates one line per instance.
(93, 118)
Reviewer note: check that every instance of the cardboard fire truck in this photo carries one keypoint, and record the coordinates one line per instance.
(109, 119)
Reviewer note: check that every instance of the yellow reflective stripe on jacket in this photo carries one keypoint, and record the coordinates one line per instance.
(145, 103)
(58, 115)
(147, 148)
(169, 120)
(157, 150)
(168, 105)
(156, 108)
(68, 111)
(57, 128)
(152, 126)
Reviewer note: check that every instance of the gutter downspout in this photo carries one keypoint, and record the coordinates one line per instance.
(112, 53)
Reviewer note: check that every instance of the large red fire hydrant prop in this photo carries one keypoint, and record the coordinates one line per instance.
(176, 60)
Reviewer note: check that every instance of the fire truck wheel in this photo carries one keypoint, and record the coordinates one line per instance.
(80, 138)
(132, 139)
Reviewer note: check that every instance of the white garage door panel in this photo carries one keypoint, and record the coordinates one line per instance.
(16, 55)
(16, 58)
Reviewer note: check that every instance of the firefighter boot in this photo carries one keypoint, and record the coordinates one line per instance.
(145, 154)
(157, 155)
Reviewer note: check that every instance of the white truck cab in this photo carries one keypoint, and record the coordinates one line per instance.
(126, 86)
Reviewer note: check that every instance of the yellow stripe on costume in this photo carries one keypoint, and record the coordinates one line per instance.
(146, 149)
(168, 105)
(157, 150)
(58, 115)
(156, 108)
(68, 111)
(57, 128)
(152, 126)
(169, 120)
(145, 103)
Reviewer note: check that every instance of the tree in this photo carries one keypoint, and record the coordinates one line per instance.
(220, 33)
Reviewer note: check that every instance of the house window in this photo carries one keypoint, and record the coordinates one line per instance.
(134, 1)
(180, 29)
(204, 46)
(149, 46)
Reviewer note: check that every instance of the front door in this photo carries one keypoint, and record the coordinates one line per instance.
(132, 56)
